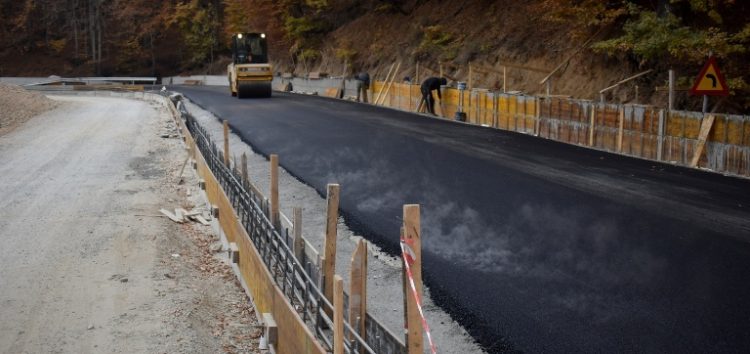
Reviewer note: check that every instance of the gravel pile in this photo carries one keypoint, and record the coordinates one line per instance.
(18, 105)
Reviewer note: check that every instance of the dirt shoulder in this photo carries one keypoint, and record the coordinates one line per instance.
(18, 106)
(88, 265)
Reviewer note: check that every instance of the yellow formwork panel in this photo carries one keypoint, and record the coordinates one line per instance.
(503, 118)
(519, 113)
(734, 131)
(512, 113)
(529, 104)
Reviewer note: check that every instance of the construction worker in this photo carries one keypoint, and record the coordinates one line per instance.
(429, 85)
(363, 84)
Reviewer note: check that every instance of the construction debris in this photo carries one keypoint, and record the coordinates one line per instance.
(181, 215)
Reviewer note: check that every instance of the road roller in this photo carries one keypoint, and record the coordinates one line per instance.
(249, 73)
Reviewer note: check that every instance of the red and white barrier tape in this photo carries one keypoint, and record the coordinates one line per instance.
(408, 254)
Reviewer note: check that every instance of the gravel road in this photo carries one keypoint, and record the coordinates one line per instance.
(87, 265)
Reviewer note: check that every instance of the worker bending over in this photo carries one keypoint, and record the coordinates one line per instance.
(429, 85)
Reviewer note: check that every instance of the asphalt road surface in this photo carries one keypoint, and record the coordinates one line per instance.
(533, 245)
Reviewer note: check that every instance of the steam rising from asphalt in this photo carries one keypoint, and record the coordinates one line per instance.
(537, 241)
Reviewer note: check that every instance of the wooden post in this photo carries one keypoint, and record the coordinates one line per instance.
(670, 104)
(338, 315)
(660, 142)
(441, 69)
(226, 142)
(358, 289)
(271, 330)
(592, 121)
(245, 177)
(620, 123)
(416, 79)
(275, 190)
(388, 89)
(388, 75)
(332, 217)
(298, 244)
(405, 290)
(537, 116)
(412, 237)
(409, 86)
(706, 125)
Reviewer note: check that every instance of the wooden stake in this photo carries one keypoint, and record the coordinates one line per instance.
(412, 237)
(591, 125)
(298, 244)
(405, 290)
(358, 289)
(706, 125)
(670, 100)
(245, 178)
(537, 115)
(387, 76)
(660, 142)
(274, 190)
(441, 69)
(226, 142)
(329, 266)
(338, 315)
(409, 86)
(620, 124)
(388, 89)
(416, 76)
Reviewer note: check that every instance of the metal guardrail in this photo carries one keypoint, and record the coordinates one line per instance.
(299, 280)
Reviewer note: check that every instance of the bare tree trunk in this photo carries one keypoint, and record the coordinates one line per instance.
(153, 55)
(74, 21)
(98, 40)
(92, 27)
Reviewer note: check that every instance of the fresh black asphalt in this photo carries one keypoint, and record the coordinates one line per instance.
(532, 245)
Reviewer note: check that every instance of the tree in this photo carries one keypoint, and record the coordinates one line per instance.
(198, 24)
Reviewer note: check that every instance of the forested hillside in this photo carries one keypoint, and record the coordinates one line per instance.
(607, 40)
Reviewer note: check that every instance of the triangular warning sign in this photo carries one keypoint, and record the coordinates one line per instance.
(710, 81)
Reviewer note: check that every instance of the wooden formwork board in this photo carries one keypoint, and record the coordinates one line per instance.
(294, 336)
